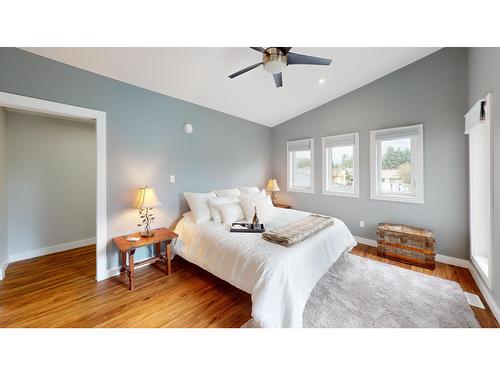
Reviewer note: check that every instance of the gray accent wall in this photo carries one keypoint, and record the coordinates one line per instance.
(3, 194)
(431, 91)
(484, 77)
(145, 138)
(51, 181)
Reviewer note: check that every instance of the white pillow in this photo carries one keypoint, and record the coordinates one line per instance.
(228, 192)
(263, 203)
(249, 190)
(214, 202)
(230, 212)
(188, 216)
(198, 203)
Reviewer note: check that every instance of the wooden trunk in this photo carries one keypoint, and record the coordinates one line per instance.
(407, 244)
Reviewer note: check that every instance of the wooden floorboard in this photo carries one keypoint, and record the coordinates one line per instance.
(59, 290)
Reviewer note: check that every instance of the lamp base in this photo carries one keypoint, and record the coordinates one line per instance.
(273, 197)
(148, 234)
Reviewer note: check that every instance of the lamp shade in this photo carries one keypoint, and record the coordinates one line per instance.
(146, 198)
(272, 185)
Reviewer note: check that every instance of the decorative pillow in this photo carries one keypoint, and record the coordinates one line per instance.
(198, 203)
(228, 192)
(214, 202)
(263, 203)
(249, 190)
(230, 212)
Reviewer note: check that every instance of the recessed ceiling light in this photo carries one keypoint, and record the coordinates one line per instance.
(321, 81)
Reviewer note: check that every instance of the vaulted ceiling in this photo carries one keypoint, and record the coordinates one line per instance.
(200, 75)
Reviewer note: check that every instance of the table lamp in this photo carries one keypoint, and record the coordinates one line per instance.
(272, 187)
(146, 200)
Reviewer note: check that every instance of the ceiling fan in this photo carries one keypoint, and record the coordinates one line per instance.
(275, 59)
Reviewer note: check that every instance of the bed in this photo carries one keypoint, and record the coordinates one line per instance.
(279, 279)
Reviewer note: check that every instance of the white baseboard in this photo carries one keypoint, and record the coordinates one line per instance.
(366, 241)
(459, 262)
(3, 267)
(115, 272)
(108, 273)
(464, 263)
(485, 292)
(50, 250)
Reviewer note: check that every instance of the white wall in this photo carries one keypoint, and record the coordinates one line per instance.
(3, 196)
(51, 174)
(432, 91)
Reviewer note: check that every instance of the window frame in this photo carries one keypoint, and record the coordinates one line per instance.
(289, 160)
(355, 165)
(417, 164)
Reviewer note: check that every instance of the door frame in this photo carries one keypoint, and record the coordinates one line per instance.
(27, 103)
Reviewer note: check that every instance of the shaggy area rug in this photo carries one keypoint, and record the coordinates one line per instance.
(361, 293)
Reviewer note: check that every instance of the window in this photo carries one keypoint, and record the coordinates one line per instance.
(301, 165)
(397, 164)
(341, 165)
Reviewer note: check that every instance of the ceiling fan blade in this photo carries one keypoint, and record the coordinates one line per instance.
(285, 50)
(278, 79)
(296, 58)
(248, 68)
(259, 49)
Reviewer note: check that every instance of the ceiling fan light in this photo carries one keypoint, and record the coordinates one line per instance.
(274, 66)
(274, 60)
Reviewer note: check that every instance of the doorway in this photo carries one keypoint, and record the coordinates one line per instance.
(92, 118)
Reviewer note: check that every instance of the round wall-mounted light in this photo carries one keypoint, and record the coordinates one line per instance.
(188, 128)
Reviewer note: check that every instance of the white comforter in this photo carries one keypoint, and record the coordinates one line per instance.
(280, 279)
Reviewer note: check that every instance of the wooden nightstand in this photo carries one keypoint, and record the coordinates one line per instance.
(279, 205)
(129, 247)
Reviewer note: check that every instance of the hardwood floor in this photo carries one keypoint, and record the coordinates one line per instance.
(59, 290)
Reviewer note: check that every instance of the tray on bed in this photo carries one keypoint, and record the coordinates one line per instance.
(246, 228)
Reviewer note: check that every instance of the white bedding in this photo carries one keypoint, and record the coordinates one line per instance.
(279, 279)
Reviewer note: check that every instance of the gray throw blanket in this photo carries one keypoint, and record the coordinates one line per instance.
(299, 231)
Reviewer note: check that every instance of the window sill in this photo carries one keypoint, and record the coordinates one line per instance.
(340, 194)
(398, 198)
(295, 190)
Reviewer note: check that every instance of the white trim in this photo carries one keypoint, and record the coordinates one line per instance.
(459, 262)
(3, 268)
(52, 108)
(366, 241)
(355, 165)
(116, 271)
(417, 166)
(112, 272)
(289, 175)
(480, 271)
(487, 278)
(485, 291)
(50, 250)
